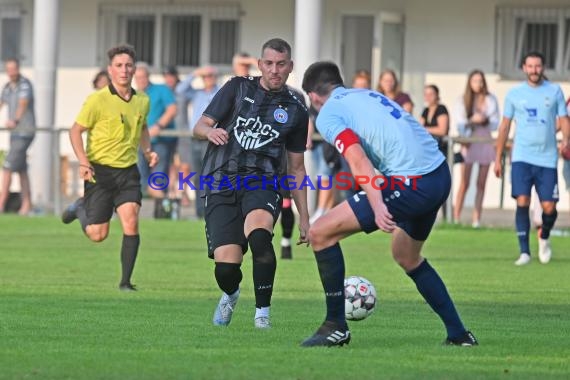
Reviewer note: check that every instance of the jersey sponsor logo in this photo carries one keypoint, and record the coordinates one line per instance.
(532, 112)
(249, 100)
(280, 115)
(252, 133)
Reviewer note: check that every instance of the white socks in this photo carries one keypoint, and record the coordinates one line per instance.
(262, 312)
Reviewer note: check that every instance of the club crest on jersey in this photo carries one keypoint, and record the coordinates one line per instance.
(280, 115)
(252, 133)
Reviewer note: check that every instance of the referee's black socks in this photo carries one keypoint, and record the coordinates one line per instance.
(129, 251)
(264, 265)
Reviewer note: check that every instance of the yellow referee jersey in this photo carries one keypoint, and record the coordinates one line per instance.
(114, 126)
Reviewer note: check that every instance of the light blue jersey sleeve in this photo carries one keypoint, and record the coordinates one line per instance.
(562, 111)
(509, 111)
(394, 142)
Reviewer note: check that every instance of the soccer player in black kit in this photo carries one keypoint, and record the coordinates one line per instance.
(249, 123)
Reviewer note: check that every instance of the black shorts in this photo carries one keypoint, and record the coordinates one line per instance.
(112, 188)
(225, 214)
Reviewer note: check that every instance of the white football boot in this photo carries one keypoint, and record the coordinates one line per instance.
(523, 259)
(544, 251)
(225, 309)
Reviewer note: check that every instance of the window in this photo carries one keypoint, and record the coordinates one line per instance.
(186, 35)
(520, 30)
(11, 38)
(223, 41)
(10, 32)
(139, 33)
(182, 36)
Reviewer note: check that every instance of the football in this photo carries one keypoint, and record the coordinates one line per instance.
(359, 298)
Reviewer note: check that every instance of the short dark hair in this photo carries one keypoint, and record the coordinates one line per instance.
(277, 44)
(322, 77)
(122, 49)
(532, 54)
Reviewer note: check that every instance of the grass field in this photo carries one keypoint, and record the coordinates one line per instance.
(62, 317)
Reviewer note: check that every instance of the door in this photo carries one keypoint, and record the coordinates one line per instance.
(356, 45)
(389, 53)
(372, 43)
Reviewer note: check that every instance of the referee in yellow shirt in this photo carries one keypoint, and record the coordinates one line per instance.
(115, 120)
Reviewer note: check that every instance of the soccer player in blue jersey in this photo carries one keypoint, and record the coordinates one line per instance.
(535, 106)
(374, 133)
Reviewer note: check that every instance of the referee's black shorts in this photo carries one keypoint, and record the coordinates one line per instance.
(225, 214)
(112, 188)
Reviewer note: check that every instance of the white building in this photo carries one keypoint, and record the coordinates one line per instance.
(425, 41)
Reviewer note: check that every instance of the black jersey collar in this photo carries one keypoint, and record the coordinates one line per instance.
(113, 91)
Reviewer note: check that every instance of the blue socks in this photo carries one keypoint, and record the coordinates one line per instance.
(547, 224)
(432, 288)
(331, 269)
(522, 222)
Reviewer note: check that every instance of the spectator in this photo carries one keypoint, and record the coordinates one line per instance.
(101, 80)
(476, 115)
(537, 106)
(389, 86)
(171, 77)
(242, 64)
(160, 117)
(435, 119)
(200, 98)
(18, 94)
(181, 160)
(362, 79)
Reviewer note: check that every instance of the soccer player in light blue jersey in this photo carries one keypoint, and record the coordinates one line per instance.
(535, 106)
(374, 133)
